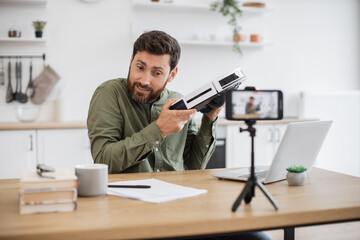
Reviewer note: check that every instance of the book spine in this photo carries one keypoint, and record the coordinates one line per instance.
(47, 208)
(46, 196)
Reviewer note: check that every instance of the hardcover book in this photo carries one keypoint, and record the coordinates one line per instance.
(66, 206)
(60, 178)
(44, 196)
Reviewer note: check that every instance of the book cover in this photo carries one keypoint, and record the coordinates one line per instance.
(60, 178)
(66, 206)
(40, 196)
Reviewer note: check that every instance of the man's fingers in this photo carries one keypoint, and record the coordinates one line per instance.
(185, 112)
(169, 102)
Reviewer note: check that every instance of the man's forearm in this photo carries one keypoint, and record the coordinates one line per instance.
(119, 155)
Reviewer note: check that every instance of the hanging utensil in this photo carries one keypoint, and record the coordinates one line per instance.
(9, 91)
(2, 72)
(30, 83)
(20, 97)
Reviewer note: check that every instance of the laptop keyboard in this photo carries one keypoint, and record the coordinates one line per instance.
(260, 175)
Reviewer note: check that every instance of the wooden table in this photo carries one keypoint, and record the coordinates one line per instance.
(327, 197)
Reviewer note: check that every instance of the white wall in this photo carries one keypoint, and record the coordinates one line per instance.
(316, 46)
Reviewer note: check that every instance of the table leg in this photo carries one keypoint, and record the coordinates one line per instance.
(289, 233)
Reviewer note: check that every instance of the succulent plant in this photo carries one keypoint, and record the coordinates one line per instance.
(296, 169)
(39, 25)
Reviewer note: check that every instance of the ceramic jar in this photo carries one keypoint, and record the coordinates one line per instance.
(296, 179)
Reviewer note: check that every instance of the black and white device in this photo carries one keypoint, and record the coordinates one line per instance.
(210, 92)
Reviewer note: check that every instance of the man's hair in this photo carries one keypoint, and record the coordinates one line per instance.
(158, 43)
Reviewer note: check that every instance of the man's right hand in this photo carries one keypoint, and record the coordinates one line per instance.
(172, 121)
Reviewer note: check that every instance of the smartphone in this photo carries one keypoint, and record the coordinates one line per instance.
(256, 105)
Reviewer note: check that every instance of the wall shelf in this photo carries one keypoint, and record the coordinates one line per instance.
(188, 5)
(12, 3)
(24, 40)
(221, 43)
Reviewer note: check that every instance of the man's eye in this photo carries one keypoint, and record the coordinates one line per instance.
(157, 73)
(140, 67)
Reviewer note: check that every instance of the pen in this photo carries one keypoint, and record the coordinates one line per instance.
(129, 186)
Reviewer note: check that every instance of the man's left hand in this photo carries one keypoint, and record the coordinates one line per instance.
(214, 113)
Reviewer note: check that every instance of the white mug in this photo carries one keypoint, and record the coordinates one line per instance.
(93, 179)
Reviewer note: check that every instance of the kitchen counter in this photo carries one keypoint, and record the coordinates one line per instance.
(222, 122)
(40, 125)
(69, 125)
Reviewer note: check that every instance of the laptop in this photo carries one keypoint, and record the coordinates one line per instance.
(300, 146)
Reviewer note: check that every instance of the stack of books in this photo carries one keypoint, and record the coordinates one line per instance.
(54, 192)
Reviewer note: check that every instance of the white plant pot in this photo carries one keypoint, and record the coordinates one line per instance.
(296, 179)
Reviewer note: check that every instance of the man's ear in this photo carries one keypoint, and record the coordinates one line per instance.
(173, 74)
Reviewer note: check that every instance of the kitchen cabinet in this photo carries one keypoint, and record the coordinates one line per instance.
(59, 148)
(266, 142)
(18, 152)
(63, 148)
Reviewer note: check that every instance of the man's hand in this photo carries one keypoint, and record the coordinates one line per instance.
(172, 121)
(214, 113)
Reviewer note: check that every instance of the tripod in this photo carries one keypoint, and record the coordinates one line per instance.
(249, 190)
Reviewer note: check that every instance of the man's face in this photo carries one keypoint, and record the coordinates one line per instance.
(148, 76)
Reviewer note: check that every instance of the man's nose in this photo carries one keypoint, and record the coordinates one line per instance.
(146, 78)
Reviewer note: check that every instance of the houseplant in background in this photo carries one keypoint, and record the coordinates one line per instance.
(296, 175)
(39, 27)
(230, 8)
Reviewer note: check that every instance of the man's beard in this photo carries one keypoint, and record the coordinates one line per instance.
(139, 97)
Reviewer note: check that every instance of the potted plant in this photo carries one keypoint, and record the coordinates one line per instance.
(230, 8)
(296, 175)
(39, 27)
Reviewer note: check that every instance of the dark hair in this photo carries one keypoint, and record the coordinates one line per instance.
(158, 43)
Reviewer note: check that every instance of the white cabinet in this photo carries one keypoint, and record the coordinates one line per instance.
(63, 148)
(266, 142)
(59, 148)
(18, 151)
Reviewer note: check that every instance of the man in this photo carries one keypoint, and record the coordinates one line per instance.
(250, 107)
(131, 127)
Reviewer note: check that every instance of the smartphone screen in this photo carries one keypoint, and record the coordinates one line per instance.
(257, 105)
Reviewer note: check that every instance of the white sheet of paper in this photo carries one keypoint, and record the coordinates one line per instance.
(159, 192)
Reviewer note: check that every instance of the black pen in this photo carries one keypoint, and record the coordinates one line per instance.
(129, 186)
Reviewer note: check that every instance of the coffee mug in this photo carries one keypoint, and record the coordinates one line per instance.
(256, 38)
(93, 179)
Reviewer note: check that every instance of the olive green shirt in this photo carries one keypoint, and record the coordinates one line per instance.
(124, 135)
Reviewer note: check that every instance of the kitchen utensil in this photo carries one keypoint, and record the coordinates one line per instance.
(2, 72)
(16, 78)
(30, 84)
(9, 91)
(20, 97)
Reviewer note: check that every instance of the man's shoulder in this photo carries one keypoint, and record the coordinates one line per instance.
(114, 84)
(172, 94)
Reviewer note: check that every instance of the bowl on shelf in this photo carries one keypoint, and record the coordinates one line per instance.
(27, 112)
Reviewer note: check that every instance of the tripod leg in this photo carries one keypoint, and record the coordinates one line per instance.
(267, 194)
(250, 194)
(247, 189)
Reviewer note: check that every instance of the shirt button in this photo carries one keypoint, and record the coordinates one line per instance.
(207, 146)
(157, 142)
